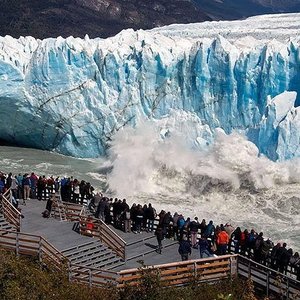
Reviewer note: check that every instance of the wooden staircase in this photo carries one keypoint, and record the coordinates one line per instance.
(58, 210)
(92, 255)
(4, 225)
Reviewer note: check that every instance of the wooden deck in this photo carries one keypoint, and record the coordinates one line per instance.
(60, 235)
(96, 261)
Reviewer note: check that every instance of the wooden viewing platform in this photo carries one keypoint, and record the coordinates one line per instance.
(111, 256)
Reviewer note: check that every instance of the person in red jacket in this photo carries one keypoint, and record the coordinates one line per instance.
(222, 242)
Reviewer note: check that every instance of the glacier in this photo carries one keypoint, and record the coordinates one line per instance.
(73, 95)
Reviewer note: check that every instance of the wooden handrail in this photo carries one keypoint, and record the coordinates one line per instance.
(183, 263)
(271, 280)
(10, 213)
(172, 274)
(180, 273)
(24, 243)
(104, 233)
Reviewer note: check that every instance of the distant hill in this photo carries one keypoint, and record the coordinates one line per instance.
(237, 9)
(103, 18)
(97, 18)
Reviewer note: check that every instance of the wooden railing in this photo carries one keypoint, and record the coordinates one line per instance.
(10, 213)
(181, 273)
(268, 279)
(106, 235)
(92, 276)
(172, 274)
(32, 245)
(73, 211)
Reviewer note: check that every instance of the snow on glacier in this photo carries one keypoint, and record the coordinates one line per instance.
(72, 95)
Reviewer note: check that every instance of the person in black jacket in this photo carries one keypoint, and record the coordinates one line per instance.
(194, 226)
(150, 216)
(273, 256)
(160, 237)
(166, 222)
(184, 249)
(282, 258)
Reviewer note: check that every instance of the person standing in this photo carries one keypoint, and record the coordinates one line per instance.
(127, 220)
(204, 247)
(222, 242)
(194, 226)
(33, 180)
(150, 215)
(184, 249)
(160, 237)
(14, 187)
(26, 188)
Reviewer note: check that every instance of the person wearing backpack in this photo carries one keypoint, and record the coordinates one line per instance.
(265, 249)
(184, 249)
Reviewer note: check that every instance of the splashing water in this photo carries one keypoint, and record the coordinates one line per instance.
(229, 182)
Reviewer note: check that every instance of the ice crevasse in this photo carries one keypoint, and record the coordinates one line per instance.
(72, 95)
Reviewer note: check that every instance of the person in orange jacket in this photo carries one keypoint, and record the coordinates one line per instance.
(222, 242)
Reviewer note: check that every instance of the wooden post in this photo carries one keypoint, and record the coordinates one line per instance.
(195, 270)
(17, 244)
(233, 266)
(19, 227)
(249, 270)
(100, 230)
(268, 282)
(69, 271)
(40, 250)
(287, 288)
(90, 278)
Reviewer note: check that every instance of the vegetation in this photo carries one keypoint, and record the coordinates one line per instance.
(25, 278)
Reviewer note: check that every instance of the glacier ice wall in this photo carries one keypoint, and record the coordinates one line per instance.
(72, 95)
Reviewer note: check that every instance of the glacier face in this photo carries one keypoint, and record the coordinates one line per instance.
(72, 95)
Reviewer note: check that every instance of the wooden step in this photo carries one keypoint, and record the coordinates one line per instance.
(67, 251)
(92, 256)
(81, 251)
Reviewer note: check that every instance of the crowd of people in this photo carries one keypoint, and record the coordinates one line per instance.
(208, 238)
(31, 186)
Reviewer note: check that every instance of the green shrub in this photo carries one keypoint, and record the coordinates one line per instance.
(23, 278)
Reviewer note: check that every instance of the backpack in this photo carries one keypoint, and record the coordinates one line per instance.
(180, 223)
(46, 213)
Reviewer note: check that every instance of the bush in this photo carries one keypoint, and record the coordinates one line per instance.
(23, 278)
